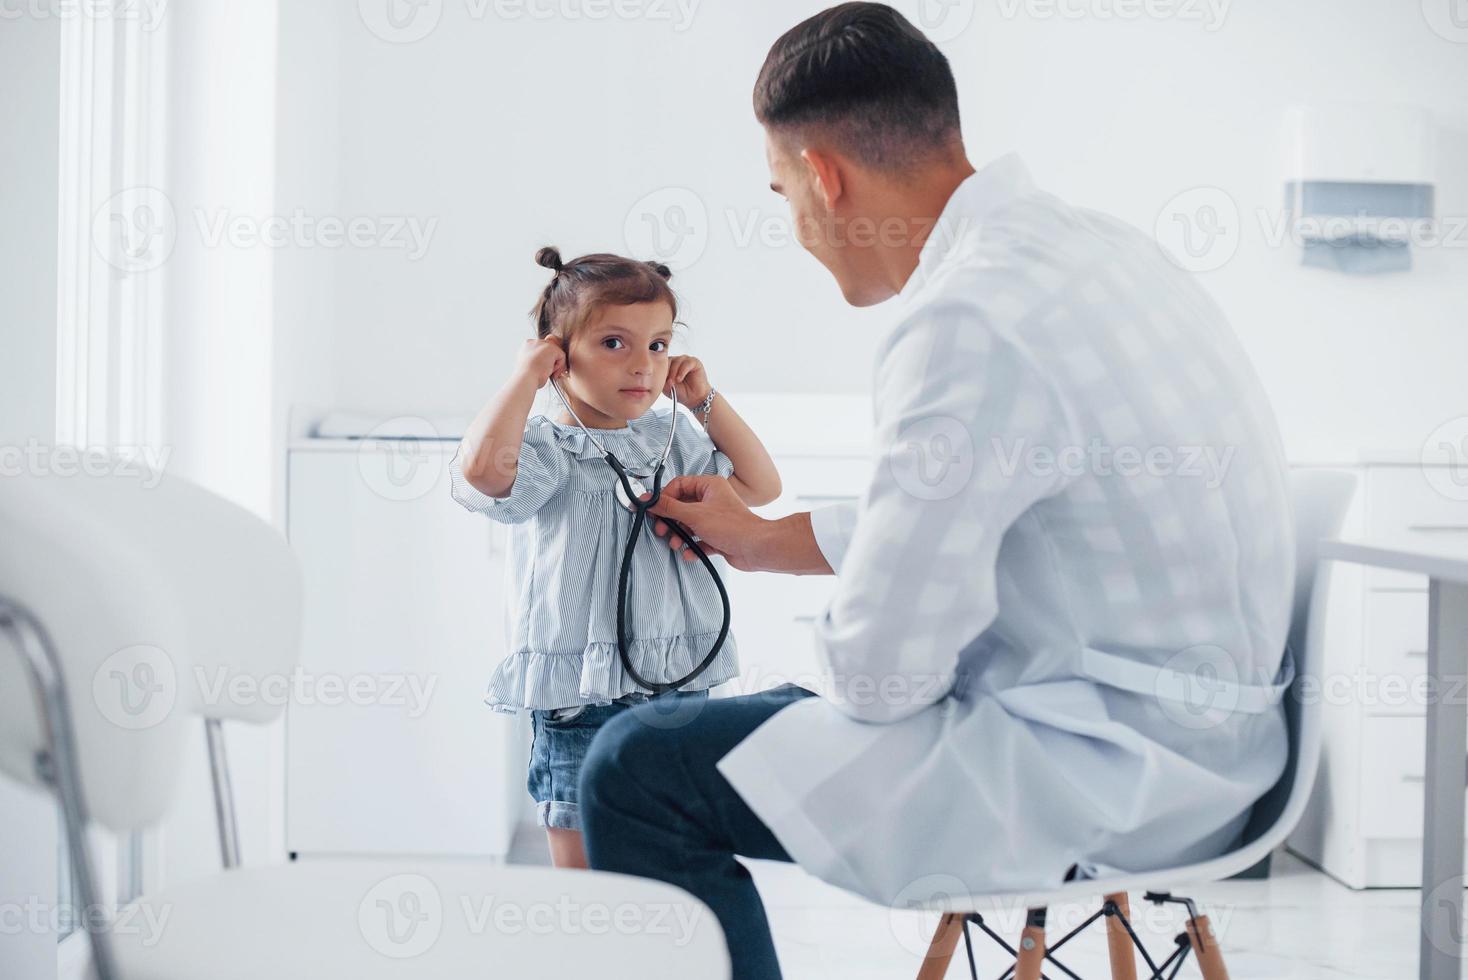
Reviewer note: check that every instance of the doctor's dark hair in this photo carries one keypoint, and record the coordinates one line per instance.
(586, 284)
(864, 76)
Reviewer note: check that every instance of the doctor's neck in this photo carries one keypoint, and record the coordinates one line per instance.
(919, 201)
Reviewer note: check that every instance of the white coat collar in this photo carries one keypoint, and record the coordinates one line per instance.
(976, 196)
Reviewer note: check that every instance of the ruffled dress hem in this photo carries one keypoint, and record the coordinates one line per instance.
(528, 680)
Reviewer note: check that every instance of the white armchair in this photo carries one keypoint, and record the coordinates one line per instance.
(118, 594)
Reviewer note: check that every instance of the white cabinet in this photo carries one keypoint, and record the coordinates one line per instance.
(820, 445)
(1364, 822)
(773, 614)
(389, 746)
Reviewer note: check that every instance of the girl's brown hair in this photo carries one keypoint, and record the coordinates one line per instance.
(583, 285)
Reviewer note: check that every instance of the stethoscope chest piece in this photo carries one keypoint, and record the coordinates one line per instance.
(635, 480)
(635, 484)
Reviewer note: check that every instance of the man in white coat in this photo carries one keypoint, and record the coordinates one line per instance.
(1057, 638)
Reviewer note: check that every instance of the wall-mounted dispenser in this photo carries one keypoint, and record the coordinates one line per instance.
(1361, 184)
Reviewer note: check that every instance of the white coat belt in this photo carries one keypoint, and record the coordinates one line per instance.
(1207, 681)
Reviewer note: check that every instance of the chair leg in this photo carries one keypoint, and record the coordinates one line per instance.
(1205, 947)
(1118, 943)
(1031, 947)
(940, 950)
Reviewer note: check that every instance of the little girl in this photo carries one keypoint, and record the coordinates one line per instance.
(603, 326)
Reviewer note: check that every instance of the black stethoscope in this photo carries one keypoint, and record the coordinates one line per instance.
(630, 488)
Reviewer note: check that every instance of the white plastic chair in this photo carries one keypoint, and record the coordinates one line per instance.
(1320, 500)
(114, 594)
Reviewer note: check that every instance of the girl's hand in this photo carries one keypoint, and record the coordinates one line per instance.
(692, 380)
(541, 360)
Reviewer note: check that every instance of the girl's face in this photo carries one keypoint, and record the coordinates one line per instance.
(619, 362)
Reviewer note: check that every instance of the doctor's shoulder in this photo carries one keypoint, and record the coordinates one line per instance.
(968, 303)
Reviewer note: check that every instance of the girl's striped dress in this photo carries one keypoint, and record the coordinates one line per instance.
(566, 547)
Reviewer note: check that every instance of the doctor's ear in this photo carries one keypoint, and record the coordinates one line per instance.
(824, 172)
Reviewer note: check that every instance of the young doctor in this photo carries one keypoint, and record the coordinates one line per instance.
(997, 702)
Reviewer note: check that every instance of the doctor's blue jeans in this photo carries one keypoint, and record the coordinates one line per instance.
(653, 804)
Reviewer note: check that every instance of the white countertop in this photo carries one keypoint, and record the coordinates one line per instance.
(790, 425)
(1446, 564)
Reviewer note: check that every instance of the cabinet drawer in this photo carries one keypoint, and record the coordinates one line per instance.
(1396, 653)
(1392, 765)
(1403, 509)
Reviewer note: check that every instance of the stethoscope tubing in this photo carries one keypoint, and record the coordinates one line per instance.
(640, 508)
(667, 447)
(674, 528)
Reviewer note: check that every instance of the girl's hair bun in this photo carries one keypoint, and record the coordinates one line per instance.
(589, 282)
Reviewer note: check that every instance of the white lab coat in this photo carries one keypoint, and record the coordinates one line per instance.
(1058, 632)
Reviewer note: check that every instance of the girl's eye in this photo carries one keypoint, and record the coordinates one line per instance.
(660, 345)
(612, 343)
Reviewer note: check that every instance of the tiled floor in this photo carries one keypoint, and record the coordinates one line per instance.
(1297, 925)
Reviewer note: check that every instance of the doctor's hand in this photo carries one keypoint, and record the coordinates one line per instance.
(710, 508)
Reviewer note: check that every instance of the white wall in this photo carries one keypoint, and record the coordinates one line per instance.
(221, 130)
(28, 854)
(1123, 116)
(30, 130)
(518, 133)
(514, 132)
(308, 122)
(30, 51)
(220, 355)
(218, 361)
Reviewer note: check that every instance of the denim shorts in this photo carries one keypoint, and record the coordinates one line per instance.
(561, 736)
